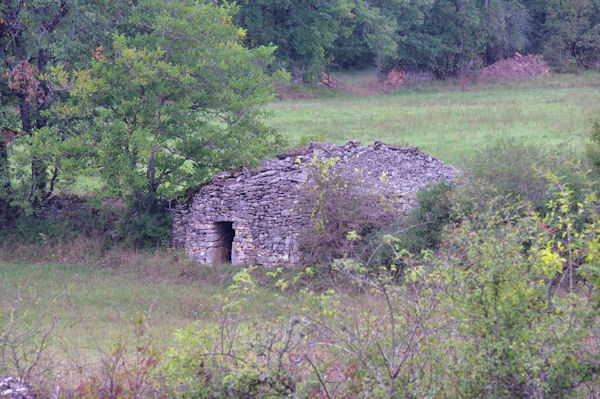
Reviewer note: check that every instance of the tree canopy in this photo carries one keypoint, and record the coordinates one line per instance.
(155, 104)
(440, 36)
(174, 103)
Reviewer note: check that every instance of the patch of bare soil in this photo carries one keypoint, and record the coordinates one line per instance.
(519, 67)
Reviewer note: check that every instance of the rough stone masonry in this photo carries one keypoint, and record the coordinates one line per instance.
(252, 216)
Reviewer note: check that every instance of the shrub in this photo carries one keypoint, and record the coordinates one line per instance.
(147, 224)
(515, 334)
(510, 167)
(592, 149)
(433, 211)
(237, 357)
(340, 210)
(519, 171)
(61, 219)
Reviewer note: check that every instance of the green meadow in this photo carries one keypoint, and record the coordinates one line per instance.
(447, 119)
(96, 299)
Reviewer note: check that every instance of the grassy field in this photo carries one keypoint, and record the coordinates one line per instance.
(98, 299)
(95, 306)
(446, 119)
(95, 302)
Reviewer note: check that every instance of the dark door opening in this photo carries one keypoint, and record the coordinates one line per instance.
(226, 234)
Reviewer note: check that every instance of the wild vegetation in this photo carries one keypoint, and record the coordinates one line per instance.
(111, 110)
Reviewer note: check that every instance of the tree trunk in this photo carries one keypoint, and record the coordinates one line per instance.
(4, 181)
(379, 74)
(151, 170)
(39, 178)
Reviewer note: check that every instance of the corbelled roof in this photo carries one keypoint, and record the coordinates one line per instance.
(382, 168)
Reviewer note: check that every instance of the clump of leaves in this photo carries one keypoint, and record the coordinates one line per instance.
(147, 224)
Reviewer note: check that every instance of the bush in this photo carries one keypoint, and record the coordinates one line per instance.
(147, 224)
(510, 167)
(592, 149)
(61, 219)
(523, 171)
(427, 219)
(237, 357)
(516, 334)
(344, 219)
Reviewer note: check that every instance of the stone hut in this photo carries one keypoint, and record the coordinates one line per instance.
(248, 216)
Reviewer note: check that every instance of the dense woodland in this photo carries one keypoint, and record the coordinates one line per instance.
(440, 36)
(110, 111)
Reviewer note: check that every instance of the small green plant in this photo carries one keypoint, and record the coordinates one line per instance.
(510, 168)
(237, 357)
(433, 211)
(592, 149)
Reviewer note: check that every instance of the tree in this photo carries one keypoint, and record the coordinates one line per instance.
(25, 34)
(383, 33)
(507, 24)
(173, 103)
(572, 33)
(303, 31)
(34, 36)
(379, 29)
(451, 36)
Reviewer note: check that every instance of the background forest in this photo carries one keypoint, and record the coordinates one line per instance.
(445, 37)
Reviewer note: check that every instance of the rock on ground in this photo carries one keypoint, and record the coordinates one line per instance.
(15, 388)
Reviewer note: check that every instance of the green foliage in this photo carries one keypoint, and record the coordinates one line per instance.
(339, 209)
(35, 37)
(572, 33)
(593, 146)
(518, 170)
(378, 29)
(222, 362)
(433, 210)
(514, 336)
(171, 105)
(302, 32)
(63, 220)
(445, 37)
(147, 224)
(485, 317)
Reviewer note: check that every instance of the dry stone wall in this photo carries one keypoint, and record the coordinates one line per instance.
(252, 217)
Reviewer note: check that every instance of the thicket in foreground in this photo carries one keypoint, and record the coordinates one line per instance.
(489, 316)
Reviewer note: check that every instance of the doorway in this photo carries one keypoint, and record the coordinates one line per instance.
(226, 233)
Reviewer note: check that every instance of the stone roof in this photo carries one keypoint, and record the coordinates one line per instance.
(390, 170)
(386, 169)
